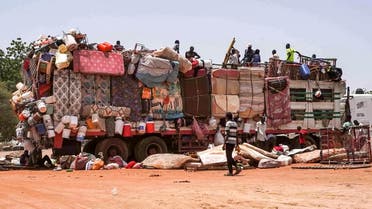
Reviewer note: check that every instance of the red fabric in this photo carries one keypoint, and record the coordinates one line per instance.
(44, 90)
(130, 164)
(97, 62)
(58, 141)
(105, 47)
(278, 148)
(190, 73)
(117, 159)
(226, 73)
(278, 104)
(301, 138)
(26, 64)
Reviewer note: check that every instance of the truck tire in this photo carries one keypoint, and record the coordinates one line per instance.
(112, 143)
(148, 146)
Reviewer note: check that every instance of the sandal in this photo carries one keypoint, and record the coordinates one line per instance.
(228, 174)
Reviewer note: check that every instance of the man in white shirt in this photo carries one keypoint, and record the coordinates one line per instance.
(261, 133)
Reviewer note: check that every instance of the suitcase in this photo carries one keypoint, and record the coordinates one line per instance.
(97, 62)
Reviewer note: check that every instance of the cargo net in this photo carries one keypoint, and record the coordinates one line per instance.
(351, 146)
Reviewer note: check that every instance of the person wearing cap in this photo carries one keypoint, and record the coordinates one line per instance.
(176, 46)
(248, 55)
(191, 54)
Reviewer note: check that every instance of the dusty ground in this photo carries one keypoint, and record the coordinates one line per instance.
(255, 188)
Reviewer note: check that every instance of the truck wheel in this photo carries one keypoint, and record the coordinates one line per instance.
(148, 146)
(310, 141)
(105, 146)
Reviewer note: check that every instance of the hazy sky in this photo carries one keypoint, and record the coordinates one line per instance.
(334, 28)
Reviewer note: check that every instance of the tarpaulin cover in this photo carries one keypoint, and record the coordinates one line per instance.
(125, 92)
(278, 101)
(221, 104)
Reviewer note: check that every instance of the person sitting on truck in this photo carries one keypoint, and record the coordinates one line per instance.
(261, 133)
(301, 136)
(191, 54)
(231, 142)
(248, 55)
(176, 46)
(275, 55)
(256, 57)
(118, 46)
(234, 58)
(290, 53)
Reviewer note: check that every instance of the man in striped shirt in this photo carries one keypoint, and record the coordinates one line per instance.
(231, 141)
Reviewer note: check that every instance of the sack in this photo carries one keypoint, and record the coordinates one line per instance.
(166, 53)
(97, 62)
(63, 60)
(221, 104)
(218, 138)
(185, 64)
(198, 132)
(104, 47)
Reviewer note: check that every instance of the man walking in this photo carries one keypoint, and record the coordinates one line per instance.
(231, 142)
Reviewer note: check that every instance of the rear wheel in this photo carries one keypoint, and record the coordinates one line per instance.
(149, 146)
(112, 146)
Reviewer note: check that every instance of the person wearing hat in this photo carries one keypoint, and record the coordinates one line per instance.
(176, 46)
(248, 55)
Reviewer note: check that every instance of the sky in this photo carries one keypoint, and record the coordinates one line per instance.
(328, 28)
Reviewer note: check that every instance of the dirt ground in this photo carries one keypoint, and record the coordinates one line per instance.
(125, 188)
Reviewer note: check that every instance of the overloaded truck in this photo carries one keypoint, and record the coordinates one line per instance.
(78, 97)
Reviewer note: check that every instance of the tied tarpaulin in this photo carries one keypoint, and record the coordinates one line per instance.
(126, 92)
(66, 90)
(95, 89)
(278, 101)
(153, 71)
(167, 101)
(61, 92)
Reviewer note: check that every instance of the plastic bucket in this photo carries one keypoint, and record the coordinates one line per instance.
(150, 127)
(141, 128)
(127, 130)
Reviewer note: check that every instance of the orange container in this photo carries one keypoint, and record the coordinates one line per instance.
(150, 127)
(104, 47)
(127, 130)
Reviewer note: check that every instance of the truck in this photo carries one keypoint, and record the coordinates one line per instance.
(185, 121)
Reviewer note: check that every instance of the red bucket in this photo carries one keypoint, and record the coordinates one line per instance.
(150, 127)
(127, 130)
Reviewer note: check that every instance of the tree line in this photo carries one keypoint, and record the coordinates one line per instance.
(11, 61)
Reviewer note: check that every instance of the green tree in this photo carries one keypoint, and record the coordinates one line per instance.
(11, 62)
(8, 119)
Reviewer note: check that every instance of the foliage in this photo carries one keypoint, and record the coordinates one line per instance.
(8, 119)
(11, 62)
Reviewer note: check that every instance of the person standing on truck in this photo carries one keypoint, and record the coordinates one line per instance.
(231, 142)
(176, 46)
(248, 55)
(290, 53)
(301, 136)
(261, 133)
